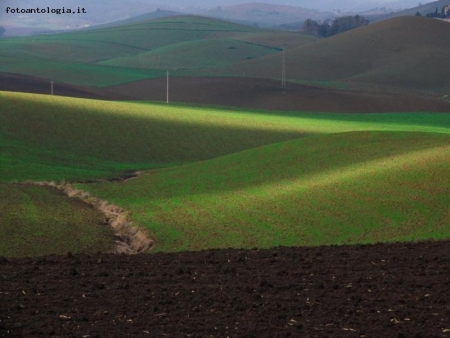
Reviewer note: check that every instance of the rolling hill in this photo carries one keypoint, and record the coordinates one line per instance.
(244, 174)
(361, 187)
(158, 14)
(198, 54)
(73, 57)
(213, 177)
(253, 93)
(423, 9)
(406, 52)
(115, 55)
(266, 14)
(298, 171)
(35, 85)
(47, 137)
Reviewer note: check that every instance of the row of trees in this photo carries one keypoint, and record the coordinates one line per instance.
(443, 14)
(337, 26)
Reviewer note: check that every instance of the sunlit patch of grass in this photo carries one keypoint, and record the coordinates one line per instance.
(332, 189)
(50, 137)
(249, 178)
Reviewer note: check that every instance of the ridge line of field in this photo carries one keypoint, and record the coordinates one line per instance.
(361, 169)
(333, 176)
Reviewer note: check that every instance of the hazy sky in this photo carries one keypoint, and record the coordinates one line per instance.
(101, 11)
(318, 4)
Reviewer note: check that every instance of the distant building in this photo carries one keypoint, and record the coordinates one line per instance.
(446, 10)
(444, 14)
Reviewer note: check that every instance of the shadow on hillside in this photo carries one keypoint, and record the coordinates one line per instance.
(306, 158)
(269, 95)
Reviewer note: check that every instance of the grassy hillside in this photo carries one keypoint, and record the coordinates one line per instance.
(101, 44)
(266, 14)
(194, 54)
(343, 177)
(275, 39)
(115, 55)
(158, 14)
(53, 138)
(73, 57)
(405, 52)
(37, 221)
(220, 177)
(329, 189)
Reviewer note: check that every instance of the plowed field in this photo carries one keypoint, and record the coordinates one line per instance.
(268, 94)
(249, 93)
(393, 290)
(36, 85)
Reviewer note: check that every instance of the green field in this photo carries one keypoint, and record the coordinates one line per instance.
(217, 177)
(58, 138)
(344, 188)
(405, 53)
(232, 178)
(37, 221)
(116, 55)
(194, 55)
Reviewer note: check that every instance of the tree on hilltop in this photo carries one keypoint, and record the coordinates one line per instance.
(311, 27)
(339, 25)
(347, 23)
(2, 30)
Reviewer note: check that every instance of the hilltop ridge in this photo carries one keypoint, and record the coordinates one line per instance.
(410, 53)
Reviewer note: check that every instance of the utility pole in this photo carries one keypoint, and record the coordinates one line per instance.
(283, 70)
(51, 86)
(167, 96)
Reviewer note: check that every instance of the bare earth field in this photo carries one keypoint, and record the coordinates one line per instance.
(385, 290)
(236, 92)
(35, 85)
(268, 94)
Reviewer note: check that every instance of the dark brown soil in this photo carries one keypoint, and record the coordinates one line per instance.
(236, 92)
(29, 84)
(395, 290)
(267, 94)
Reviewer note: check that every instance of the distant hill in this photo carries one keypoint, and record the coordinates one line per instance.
(267, 15)
(74, 57)
(158, 14)
(399, 54)
(422, 9)
(411, 53)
